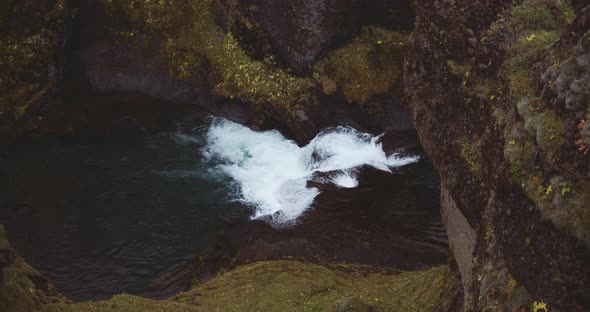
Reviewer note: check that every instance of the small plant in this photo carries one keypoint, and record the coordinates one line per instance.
(565, 188)
(539, 306)
(541, 190)
(549, 190)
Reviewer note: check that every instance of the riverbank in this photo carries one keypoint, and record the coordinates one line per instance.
(261, 286)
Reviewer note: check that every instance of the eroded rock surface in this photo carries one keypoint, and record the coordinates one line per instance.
(496, 89)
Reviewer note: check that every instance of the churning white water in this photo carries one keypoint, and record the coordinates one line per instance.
(272, 171)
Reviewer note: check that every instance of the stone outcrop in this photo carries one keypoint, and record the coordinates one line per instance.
(32, 37)
(496, 90)
(299, 32)
(304, 73)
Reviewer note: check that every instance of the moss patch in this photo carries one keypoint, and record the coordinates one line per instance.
(523, 53)
(22, 288)
(525, 31)
(529, 28)
(280, 286)
(189, 38)
(370, 65)
(296, 286)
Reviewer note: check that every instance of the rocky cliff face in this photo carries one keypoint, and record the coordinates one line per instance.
(32, 37)
(302, 64)
(300, 32)
(497, 90)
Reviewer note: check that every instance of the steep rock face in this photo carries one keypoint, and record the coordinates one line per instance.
(32, 37)
(496, 90)
(299, 31)
(209, 53)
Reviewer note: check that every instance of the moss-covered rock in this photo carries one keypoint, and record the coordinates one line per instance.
(187, 34)
(530, 29)
(22, 288)
(503, 140)
(262, 286)
(296, 286)
(189, 37)
(29, 49)
(368, 66)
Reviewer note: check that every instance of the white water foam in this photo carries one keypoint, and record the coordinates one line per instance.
(272, 171)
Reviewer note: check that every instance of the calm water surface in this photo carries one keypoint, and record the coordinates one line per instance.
(101, 216)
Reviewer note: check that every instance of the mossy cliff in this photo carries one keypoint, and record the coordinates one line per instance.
(32, 34)
(262, 286)
(202, 51)
(497, 90)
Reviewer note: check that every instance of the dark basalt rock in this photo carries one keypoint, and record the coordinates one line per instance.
(33, 34)
(4, 248)
(463, 96)
(300, 31)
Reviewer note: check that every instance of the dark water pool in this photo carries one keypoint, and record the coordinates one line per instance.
(101, 216)
(105, 216)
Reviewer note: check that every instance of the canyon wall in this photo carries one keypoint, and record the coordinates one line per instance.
(497, 90)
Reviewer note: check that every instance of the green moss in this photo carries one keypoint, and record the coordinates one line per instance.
(550, 135)
(276, 286)
(529, 27)
(22, 288)
(296, 286)
(520, 156)
(471, 153)
(370, 65)
(575, 213)
(523, 53)
(462, 71)
(189, 37)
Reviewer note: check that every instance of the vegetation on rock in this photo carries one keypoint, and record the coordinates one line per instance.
(262, 286)
(370, 65)
(28, 58)
(537, 138)
(189, 37)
